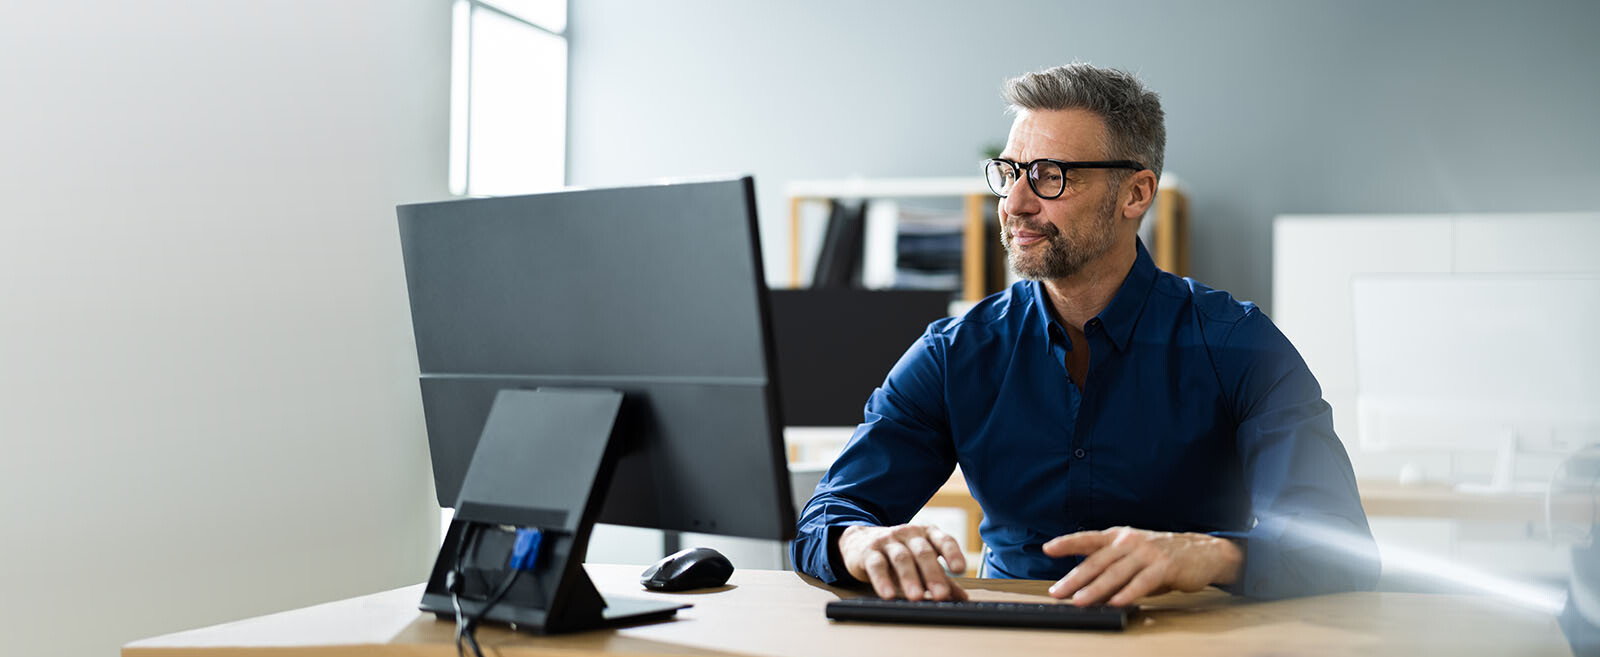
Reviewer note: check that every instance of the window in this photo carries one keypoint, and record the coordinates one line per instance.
(508, 105)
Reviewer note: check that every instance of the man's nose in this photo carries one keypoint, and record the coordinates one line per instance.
(1020, 199)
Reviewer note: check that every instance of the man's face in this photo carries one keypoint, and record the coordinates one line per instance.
(1048, 239)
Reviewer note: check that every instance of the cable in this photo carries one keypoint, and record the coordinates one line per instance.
(455, 583)
(499, 594)
(456, 600)
(524, 555)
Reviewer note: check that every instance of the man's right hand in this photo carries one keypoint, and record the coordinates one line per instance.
(903, 558)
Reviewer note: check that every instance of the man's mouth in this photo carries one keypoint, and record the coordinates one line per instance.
(1024, 237)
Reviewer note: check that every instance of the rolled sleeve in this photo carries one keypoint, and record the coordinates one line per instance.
(1309, 533)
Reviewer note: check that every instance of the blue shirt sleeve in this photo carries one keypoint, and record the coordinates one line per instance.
(1310, 534)
(892, 465)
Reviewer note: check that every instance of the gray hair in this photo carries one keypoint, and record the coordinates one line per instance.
(1135, 125)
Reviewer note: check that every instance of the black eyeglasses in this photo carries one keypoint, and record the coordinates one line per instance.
(1047, 177)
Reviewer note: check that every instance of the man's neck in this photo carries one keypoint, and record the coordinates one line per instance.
(1078, 298)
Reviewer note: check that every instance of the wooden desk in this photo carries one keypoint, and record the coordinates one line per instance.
(1387, 498)
(1378, 498)
(774, 613)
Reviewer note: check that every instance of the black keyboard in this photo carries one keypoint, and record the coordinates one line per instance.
(969, 612)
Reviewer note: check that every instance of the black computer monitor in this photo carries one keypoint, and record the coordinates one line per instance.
(654, 294)
(836, 345)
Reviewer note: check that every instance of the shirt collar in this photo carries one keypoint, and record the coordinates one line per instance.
(1118, 317)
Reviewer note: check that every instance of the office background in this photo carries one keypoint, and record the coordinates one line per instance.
(208, 402)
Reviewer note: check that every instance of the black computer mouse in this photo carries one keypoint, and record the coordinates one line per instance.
(695, 568)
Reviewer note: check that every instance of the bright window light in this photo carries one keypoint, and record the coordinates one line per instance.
(460, 73)
(517, 135)
(508, 104)
(548, 14)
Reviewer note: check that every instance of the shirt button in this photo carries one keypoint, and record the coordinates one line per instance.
(1080, 453)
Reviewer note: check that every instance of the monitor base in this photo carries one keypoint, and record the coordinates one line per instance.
(618, 612)
(543, 459)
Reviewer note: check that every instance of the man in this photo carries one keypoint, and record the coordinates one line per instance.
(1126, 431)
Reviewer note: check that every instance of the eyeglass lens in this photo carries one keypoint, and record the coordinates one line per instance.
(1045, 177)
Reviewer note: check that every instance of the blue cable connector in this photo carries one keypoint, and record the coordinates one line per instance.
(525, 552)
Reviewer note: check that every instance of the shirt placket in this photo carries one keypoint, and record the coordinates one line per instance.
(1081, 484)
(1074, 506)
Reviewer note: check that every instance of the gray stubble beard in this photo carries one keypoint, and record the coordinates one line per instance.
(1061, 258)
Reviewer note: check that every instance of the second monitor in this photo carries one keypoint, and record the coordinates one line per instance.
(835, 346)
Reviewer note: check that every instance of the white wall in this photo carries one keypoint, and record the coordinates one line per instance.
(208, 403)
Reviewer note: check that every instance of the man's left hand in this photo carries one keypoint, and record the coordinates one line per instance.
(1125, 564)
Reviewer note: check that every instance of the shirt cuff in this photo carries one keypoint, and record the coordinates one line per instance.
(815, 551)
(1256, 563)
(836, 567)
(1284, 559)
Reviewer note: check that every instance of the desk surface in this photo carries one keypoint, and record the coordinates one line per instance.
(774, 613)
(1378, 498)
(1387, 498)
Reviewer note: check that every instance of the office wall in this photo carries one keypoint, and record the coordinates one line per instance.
(1369, 106)
(208, 407)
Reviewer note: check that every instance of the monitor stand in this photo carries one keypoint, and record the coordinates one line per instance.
(544, 460)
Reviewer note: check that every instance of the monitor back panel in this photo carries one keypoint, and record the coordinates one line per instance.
(654, 291)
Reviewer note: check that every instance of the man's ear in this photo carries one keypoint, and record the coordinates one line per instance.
(1140, 192)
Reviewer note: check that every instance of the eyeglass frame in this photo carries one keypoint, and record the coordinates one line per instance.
(1021, 168)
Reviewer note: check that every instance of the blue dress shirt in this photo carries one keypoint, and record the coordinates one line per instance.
(1197, 415)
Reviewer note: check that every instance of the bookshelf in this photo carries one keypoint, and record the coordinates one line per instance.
(1169, 238)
